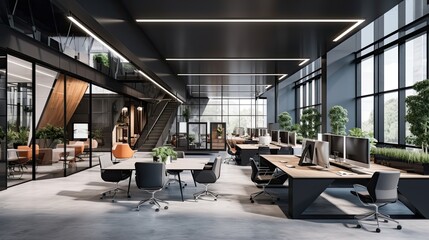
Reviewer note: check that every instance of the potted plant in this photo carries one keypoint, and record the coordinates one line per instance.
(219, 131)
(418, 115)
(310, 123)
(49, 136)
(163, 153)
(186, 114)
(285, 121)
(191, 139)
(338, 118)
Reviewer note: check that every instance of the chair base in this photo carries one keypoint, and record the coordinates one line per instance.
(174, 180)
(153, 201)
(263, 192)
(112, 193)
(229, 160)
(205, 192)
(376, 216)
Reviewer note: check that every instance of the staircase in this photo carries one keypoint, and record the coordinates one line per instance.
(158, 128)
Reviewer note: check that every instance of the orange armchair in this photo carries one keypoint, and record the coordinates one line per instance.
(123, 151)
(27, 152)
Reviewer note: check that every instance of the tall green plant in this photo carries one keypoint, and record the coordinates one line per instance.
(418, 114)
(338, 117)
(285, 121)
(310, 123)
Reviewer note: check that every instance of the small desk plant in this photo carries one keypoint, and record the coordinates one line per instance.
(219, 131)
(163, 153)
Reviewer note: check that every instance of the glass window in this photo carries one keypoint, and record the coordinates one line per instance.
(367, 114)
(245, 109)
(367, 76)
(212, 110)
(367, 38)
(391, 117)
(415, 60)
(390, 20)
(301, 94)
(391, 69)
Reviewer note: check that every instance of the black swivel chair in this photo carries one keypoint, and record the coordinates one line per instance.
(262, 150)
(263, 178)
(285, 151)
(180, 154)
(380, 191)
(112, 176)
(231, 154)
(208, 176)
(151, 178)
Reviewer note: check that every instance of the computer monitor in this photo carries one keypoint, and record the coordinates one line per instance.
(80, 131)
(357, 151)
(307, 155)
(292, 138)
(321, 153)
(337, 146)
(275, 136)
(284, 137)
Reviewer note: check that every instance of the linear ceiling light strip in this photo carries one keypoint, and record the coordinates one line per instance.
(356, 22)
(81, 26)
(231, 74)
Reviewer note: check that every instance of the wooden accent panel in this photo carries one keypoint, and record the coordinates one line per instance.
(53, 113)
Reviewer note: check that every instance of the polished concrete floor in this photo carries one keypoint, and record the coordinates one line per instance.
(70, 208)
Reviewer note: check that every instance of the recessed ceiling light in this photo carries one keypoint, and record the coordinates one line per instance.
(303, 60)
(226, 85)
(231, 74)
(280, 78)
(157, 84)
(85, 29)
(356, 22)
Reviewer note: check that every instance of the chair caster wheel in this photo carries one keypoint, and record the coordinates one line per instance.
(399, 227)
(113, 201)
(101, 197)
(378, 230)
(273, 202)
(278, 199)
(157, 210)
(185, 185)
(215, 199)
(252, 201)
(358, 226)
(129, 196)
(166, 207)
(250, 198)
(386, 221)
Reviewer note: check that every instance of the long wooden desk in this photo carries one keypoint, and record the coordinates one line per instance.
(246, 151)
(307, 183)
(176, 165)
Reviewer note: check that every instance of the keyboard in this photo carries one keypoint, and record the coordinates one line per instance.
(362, 170)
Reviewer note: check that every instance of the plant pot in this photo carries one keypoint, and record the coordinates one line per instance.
(419, 168)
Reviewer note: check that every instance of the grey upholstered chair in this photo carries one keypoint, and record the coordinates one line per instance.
(180, 154)
(208, 176)
(112, 176)
(151, 178)
(380, 191)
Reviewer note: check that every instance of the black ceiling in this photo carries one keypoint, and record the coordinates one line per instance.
(245, 40)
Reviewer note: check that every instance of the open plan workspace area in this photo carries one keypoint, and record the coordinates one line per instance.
(212, 119)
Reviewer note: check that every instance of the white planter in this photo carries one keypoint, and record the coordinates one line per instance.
(168, 161)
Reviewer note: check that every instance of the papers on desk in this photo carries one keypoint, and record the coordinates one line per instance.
(342, 173)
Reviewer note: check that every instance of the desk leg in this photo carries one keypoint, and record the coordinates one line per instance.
(180, 185)
(303, 192)
(129, 184)
(192, 173)
(414, 193)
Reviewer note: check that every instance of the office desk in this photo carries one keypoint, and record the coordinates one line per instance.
(177, 165)
(246, 151)
(306, 184)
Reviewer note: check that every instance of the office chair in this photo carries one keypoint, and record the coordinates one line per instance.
(151, 178)
(285, 151)
(265, 177)
(380, 191)
(208, 176)
(262, 150)
(112, 176)
(180, 154)
(231, 153)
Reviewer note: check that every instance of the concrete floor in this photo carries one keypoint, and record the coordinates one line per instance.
(70, 208)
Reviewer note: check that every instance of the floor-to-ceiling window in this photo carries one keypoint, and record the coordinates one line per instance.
(308, 94)
(393, 57)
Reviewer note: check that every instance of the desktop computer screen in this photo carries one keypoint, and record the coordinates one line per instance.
(336, 146)
(307, 155)
(357, 151)
(275, 136)
(284, 137)
(292, 138)
(321, 153)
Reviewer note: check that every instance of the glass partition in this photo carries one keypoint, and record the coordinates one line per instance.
(197, 136)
